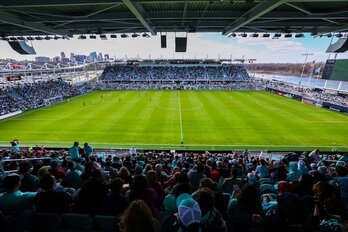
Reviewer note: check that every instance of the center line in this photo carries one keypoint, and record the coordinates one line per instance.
(181, 132)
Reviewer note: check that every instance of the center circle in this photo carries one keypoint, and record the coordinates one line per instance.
(195, 104)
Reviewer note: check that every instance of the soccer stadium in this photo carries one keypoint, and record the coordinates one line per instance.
(184, 116)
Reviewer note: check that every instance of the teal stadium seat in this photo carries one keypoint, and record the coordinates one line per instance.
(267, 188)
(47, 221)
(78, 222)
(104, 223)
(266, 181)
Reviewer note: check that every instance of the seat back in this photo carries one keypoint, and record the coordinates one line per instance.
(104, 223)
(78, 222)
(47, 221)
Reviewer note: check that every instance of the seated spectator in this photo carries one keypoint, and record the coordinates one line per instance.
(242, 208)
(56, 171)
(262, 169)
(212, 219)
(294, 174)
(87, 149)
(140, 190)
(161, 175)
(13, 201)
(195, 175)
(50, 200)
(138, 218)
(229, 183)
(114, 203)
(155, 184)
(28, 181)
(342, 182)
(89, 197)
(188, 217)
(73, 176)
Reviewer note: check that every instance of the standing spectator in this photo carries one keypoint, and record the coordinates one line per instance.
(161, 175)
(56, 171)
(294, 173)
(74, 151)
(73, 176)
(87, 149)
(229, 183)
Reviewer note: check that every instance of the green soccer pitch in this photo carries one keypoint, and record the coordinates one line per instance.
(202, 120)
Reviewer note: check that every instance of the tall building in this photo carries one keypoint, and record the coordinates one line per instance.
(56, 59)
(80, 58)
(100, 56)
(62, 55)
(106, 57)
(72, 57)
(93, 56)
(42, 59)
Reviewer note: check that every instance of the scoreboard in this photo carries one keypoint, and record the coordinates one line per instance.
(336, 70)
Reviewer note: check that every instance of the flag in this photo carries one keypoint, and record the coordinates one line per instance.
(311, 68)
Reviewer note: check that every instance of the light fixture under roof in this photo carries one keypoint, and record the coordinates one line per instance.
(277, 35)
(243, 35)
(329, 35)
(339, 35)
(288, 35)
(82, 37)
(145, 35)
(20, 38)
(38, 38)
(56, 37)
(30, 38)
(299, 35)
(113, 36)
(124, 35)
(134, 35)
(13, 38)
(266, 35)
(232, 35)
(92, 36)
(103, 37)
(255, 35)
(47, 37)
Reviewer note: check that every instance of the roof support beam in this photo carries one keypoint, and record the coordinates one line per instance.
(342, 28)
(254, 13)
(140, 14)
(14, 20)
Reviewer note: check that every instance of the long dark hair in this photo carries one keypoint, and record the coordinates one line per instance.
(137, 218)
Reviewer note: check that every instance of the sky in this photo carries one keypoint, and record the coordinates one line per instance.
(200, 45)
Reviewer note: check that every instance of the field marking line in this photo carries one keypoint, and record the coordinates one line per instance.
(181, 131)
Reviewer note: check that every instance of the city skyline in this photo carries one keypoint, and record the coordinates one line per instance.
(200, 46)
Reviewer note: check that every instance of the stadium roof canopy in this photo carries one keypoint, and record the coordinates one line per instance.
(68, 17)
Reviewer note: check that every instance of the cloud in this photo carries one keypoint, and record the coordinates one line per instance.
(200, 45)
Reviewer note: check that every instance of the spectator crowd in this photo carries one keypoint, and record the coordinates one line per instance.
(170, 191)
(34, 95)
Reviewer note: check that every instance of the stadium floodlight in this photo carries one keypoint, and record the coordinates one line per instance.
(13, 38)
(103, 37)
(20, 38)
(56, 37)
(288, 35)
(113, 36)
(339, 35)
(299, 35)
(277, 35)
(93, 37)
(255, 35)
(134, 35)
(124, 35)
(47, 37)
(145, 35)
(266, 35)
(329, 35)
(82, 37)
(243, 35)
(38, 38)
(232, 35)
(30, 38)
